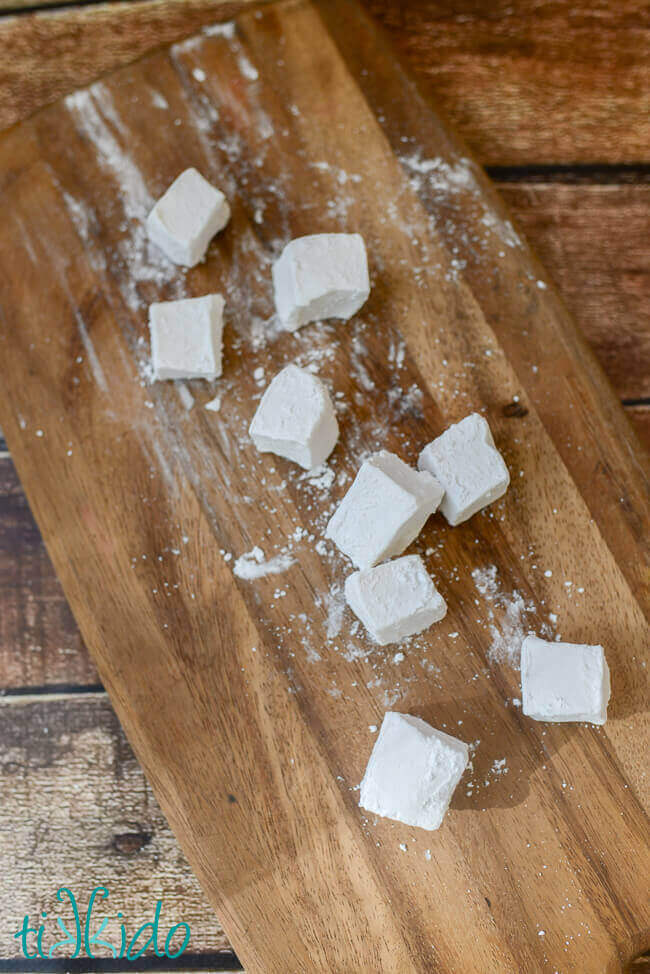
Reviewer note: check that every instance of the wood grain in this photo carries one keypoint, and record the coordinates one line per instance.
(593, 240)
(640, 417)
(112, 480)
(565, 80)
(39, 639)
(78, 812)
(523, 82)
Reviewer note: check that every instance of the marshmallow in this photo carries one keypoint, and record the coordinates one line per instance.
(186, 337)
(564, 681)
(412, 772)
(395, 600)
(384, 510)
(186, 218)
(296, 419)
(468, 465)
(321, 276)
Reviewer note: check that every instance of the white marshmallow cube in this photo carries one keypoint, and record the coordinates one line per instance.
(412, 772)
(466, 462)
(321, 276)
(186, 218)
(295, 419)
(384, 510)
(395, 600)
(564, 681)
(186, 338)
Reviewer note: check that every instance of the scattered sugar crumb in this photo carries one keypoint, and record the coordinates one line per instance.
(248, 70)
(185, 396)
(321, 477)
(334, 604)
(254, 565)
(225, 29)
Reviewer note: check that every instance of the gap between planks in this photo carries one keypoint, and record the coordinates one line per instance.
(214, 963)
(20, 696)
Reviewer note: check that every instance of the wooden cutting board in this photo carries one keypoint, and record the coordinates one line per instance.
(251, 702)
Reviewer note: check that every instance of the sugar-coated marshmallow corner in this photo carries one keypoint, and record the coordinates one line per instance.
(564, 681)
(384, 510)
(296, 419)
(186, 337)
(324, 275)
(395, 600)
(412, 772)
(186, 217)
(469, 467)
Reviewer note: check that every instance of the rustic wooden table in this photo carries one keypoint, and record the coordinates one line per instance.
(553, 98)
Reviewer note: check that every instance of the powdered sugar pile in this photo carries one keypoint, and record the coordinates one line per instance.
(254, 564)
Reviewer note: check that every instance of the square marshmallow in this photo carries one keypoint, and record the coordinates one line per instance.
(186, 338)
(412, 772)
(321, 276)
(564, 681)
(384, 510)
(466, 462)
(186, 218)
(296, 419)
(395, 600)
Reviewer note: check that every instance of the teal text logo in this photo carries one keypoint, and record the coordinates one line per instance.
(87, 931)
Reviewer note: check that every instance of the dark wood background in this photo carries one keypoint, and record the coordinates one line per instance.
(554, 98)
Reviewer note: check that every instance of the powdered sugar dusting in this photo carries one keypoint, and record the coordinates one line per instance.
(226, 30)
(248, 70)
(95, 115)
(441, 174)
(91, 354)
(334, 604)
(97, 119)
(254, 565)
(185, 395)
(446, 180)
(507, 626)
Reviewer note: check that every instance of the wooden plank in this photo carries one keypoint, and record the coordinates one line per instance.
(533, 82)
(593, 240)
(113, 478)
(523, 82)
(39, 639)
(77, 811)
